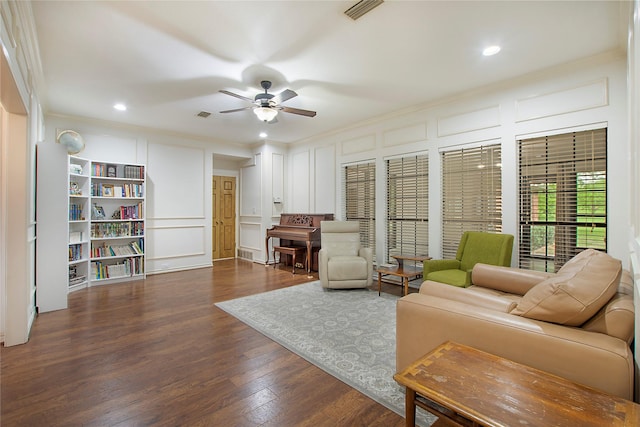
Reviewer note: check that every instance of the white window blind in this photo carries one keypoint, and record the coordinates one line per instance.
(563, 197)
(360, 200)
(408, 206)
(471, 194)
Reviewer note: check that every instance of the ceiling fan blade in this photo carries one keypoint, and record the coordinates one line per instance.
(283, 96)
(226, 92)
(238, 109)
(307, 113)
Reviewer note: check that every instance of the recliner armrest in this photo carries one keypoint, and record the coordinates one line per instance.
(367, 253)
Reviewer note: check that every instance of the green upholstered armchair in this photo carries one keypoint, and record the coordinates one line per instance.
(474, 247)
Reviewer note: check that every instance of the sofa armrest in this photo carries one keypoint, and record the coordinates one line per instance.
(471, 295)
(593, 359)
(507, 279)
(429, 266)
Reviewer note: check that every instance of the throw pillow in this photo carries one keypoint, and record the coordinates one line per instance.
(576, 293)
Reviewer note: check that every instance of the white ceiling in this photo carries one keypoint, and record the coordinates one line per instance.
(167, 60)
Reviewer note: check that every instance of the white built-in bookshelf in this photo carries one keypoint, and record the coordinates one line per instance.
(106, 222)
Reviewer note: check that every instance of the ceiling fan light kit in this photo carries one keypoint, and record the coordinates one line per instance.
(266, 105)
(266, 114)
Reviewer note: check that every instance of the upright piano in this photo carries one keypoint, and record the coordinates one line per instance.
(298, 227)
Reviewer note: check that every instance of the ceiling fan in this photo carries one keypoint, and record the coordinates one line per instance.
(266, 105)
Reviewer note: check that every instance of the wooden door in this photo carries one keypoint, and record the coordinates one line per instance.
(224, 217)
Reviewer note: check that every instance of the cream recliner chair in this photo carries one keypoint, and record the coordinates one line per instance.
(342, 262)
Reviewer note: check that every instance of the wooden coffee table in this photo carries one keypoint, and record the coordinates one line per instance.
(405, 272)
(474, 388)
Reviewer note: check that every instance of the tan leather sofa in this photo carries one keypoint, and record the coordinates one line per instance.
(577, 324)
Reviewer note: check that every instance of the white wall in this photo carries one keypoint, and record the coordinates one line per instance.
(585, 94)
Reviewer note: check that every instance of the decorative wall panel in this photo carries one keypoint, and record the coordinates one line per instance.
(405, 135)
(590, 95)
(466, 122)
(180, 193)
(300, 179)
(359, 145)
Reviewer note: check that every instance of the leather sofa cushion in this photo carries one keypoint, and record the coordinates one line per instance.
(579, 290)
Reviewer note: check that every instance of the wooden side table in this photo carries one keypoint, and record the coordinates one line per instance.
(474, 388)
(405, 272)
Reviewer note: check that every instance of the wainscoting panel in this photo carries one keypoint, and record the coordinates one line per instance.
(405, 135)
(251, 245)
(176, 247)
(483, 118)
(325, 179)
(175, 181)
(590, 95)
(300, 179)
(251, 187)
(359, 145)
(175, 241)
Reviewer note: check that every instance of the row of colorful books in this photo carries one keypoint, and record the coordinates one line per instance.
(75, 212)
(116, 229)
(128, 267)
(114, 171)
(133, 248)
(75, 252)
(99, 189)
(130, 212)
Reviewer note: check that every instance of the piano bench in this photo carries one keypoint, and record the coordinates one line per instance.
(294, 251)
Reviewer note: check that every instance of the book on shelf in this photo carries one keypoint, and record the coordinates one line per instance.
(75, 212)
(75, 237)
(106, 250)
(74, 277)
(134, 172)
(75, 252)
(77, 280)
(125, 268)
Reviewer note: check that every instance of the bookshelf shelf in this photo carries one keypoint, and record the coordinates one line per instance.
(106, 222)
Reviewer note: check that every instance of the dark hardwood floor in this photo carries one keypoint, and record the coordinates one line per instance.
(159, 352)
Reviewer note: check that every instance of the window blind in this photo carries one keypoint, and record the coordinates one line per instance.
(407, 206)
(360, 200)
(563, 197)
(471, 194)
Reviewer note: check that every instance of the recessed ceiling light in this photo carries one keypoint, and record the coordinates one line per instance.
(263, 134)
(491, 50)
(120, 107)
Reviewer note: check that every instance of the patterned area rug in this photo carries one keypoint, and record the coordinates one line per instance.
(348, 333)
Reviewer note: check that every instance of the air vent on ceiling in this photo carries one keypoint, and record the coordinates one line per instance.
(203, 114)
(362, 7)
